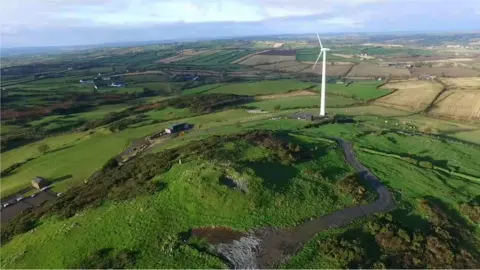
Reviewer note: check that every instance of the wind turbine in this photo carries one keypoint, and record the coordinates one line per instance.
(324, 69)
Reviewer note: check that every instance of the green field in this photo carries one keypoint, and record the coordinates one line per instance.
(361, 90)
(219, 58)
(302, 102)
(252, 88)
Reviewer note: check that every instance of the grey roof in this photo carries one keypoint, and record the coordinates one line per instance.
(176, 125)
(38, 179)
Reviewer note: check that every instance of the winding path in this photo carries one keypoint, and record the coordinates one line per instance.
(267, 248)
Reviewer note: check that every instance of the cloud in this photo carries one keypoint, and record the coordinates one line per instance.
(21, 20)
(341, 22)
(33, 14)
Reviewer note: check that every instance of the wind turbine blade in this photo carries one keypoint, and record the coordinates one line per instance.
(317, 60)
(319, 41)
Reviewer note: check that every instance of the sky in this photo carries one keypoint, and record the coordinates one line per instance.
(31, 23)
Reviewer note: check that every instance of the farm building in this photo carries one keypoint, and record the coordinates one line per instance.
(39, 182)
(117, 84)
(177, 128)
(86, 81)
(302, 116)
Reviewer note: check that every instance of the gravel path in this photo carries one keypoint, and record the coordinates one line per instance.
(268, 248)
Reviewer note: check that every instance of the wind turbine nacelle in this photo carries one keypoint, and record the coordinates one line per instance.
(325, 50)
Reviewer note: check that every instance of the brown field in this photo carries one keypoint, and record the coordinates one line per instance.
(335, 70)
(447, 72)
(411, 95)
(293, 66)
(375, 71)
(277, 45)
(266, 59)
(467, 83)
(236, 61)
(185, 55)
(457, 104)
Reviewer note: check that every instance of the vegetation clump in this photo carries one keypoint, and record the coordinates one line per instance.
(352, 185)
(107, 259)
(472, 209)
(387, 243)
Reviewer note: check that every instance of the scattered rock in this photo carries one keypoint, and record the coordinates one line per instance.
(232, 183)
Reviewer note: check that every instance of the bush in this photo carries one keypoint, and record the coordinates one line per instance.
(43, 148)
(444, 243)
(110, 164)
(425, 164)
(107, 259)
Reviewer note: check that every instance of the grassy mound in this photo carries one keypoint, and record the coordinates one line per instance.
(140, 208)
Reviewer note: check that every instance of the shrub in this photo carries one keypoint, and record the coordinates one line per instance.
(425, 164)
(107, 259)
(110, 164)
(43, 148)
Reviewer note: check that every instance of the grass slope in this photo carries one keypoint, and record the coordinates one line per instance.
(362, 90)
(194, 197)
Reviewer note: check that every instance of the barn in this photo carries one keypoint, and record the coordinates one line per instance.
(177, 128)
(39, 182)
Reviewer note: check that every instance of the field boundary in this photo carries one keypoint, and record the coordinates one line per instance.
(432, 103)
(350, 69)
(241, 59)
(434, 167)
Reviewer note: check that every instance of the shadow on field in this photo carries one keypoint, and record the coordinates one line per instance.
(60, 179)
(58, 149)
(411, 220)
(276, 176)
(454, 131)
(443, 209)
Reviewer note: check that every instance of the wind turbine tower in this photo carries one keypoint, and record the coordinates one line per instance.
(324, 71)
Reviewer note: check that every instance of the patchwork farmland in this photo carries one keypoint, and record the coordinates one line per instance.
(410, 95)
(224, 57)
(285, 66)
(270, 57)
(372, 71)
(457, 104)
(467, 83)
(185, 54)
(332, 70)
(445, 72)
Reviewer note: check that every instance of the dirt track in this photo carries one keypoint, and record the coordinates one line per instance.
(268, 248)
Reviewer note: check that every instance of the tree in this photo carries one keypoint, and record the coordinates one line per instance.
(43, 148)
(277, 108)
